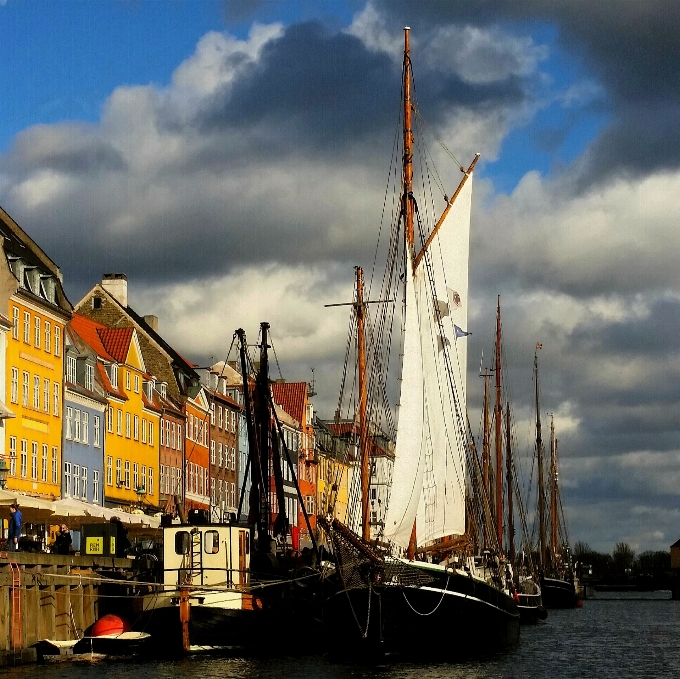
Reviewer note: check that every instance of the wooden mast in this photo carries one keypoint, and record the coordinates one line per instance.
(499, 435)
(407, 208)
(486, 458)
(553, 491)
(508, 465)
(359, 309)
(539, 454)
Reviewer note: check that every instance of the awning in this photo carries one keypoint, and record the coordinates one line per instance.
(5, 412)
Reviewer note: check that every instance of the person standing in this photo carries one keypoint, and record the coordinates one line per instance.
(62, 543)
(14, 532)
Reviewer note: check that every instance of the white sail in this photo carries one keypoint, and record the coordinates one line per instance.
(407, 476)
(442, 301)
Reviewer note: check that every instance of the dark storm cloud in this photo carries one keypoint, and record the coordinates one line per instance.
(632, 47)
(321, 89)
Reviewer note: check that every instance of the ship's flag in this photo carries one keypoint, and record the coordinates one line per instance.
(459, 332)
(539, 345)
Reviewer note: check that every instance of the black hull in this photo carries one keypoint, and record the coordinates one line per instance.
(449, 621)
(558, 593)
(531, 609)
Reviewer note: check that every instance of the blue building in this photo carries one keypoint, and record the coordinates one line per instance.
(83, 432)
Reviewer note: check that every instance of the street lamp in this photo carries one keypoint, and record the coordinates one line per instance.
(3, 472)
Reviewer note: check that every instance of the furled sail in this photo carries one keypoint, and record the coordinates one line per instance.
(407, 477)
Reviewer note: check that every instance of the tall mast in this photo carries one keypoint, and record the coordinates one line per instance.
(486, 455)
(263, 423)
(499, 435)
(407, 198)
(359, 308)
(508, 465)
(539, 454)
(553, 490)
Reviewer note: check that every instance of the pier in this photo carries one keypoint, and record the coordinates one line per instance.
(48, 596)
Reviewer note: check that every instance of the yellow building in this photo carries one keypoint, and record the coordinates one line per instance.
(131, 445)
(31, 291)
(333, 472)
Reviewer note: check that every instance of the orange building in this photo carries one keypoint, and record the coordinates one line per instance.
(197, 449)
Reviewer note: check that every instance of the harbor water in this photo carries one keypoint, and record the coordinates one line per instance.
(617, 636)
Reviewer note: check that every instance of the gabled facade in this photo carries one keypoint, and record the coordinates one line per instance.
(172, 427)
(132, 417)
(293, 397)
(197, 449)
(32, 296)
(85, 406)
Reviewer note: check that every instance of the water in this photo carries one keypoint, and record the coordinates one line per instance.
(607, 638)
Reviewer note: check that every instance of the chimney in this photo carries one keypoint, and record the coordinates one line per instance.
(151, 321)
(116, 285)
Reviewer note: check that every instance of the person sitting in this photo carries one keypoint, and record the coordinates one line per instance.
(62, 543)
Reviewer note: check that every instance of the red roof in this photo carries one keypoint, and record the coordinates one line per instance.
(87, 330)
(344, 428)
(103, 376)
(116, 341)
(292, 397)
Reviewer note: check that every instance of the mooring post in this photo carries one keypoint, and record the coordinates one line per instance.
(184, 613)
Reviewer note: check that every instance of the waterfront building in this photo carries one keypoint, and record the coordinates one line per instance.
(171, 456)
(32, 294)
(197, 447)
(224, 459)
(132, 417)
(333, 455)
(293, 397)
(85, 406)
(290, 428)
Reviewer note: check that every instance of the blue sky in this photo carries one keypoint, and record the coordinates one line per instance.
(230, 157)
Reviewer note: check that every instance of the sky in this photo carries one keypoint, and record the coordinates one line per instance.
(231, 158)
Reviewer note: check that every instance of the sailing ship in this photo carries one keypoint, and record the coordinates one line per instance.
(419, 587)
(232, 585)
(556, 572)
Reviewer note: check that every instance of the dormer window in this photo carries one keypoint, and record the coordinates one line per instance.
(33, 279)
(163, 389)
(89, 377)
(18, 265)
(48, 287)
(149, 386)
(113, 375)
(71, 367)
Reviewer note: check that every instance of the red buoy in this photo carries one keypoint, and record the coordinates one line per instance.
(579, 603)
(109, 624)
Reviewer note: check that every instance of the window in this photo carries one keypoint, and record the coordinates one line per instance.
(86, 427)
(114, 375)
(119, 422)
(213, 500)
(136, 428)
(163, 476)
(212, 452)
(97, 302)
(212, 414)
(69, 422)
(109, 419)
(127, 380)
(34, 460)
(24, 388)
(67, 478)
(27, 327)
(150, 433)
(135, 475)
(15, 386)
(89, 377)
(55, 390)
(144, 476)
(233, 458)
(136, 384)
(83, 484)
(119, 472)
(71, 364)
(190, 427)
(128, 427)
(182, 542)
(174, 431)
(219, 455)
(144, 430)
(46, 395)
(219, 416)
(127, 473)
(15, 323)
(13, 455)
(48, 337)
(109, 470)
(76, 425)
(309, 504)
(96, 435)
(36, 392)
(57, 340)
(95, 486)
(179, 436)
(76, 480)
(211, 541)
(55, 468)
(45, 463)
(150, 488)
(37, 335)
